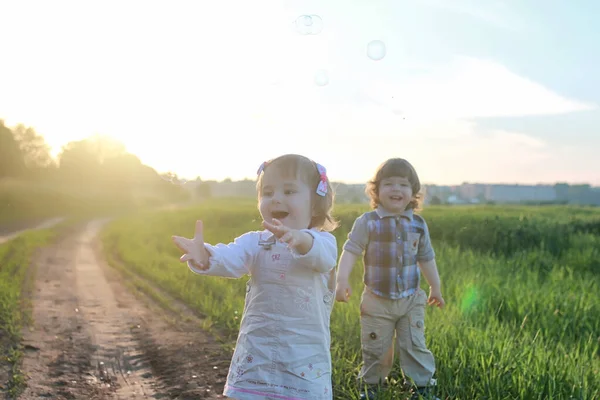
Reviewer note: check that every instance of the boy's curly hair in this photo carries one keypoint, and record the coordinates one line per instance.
(395, 167)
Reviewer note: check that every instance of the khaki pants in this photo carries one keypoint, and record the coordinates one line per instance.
(380, 319)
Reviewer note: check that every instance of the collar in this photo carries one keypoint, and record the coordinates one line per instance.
(383, 213)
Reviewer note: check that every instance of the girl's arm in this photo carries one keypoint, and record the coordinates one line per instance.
(313, 249)
(230, 261)
(321, 255)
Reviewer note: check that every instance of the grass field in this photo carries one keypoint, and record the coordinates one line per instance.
(24, 203)
(522, 286)
(15, 280)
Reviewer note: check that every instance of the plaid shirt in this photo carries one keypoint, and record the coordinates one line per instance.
(392, 245)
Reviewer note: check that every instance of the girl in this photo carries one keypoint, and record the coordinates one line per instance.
(283, 346)
(396, 247)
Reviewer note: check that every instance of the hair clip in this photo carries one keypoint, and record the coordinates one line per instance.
(322, 186)
(262, 167)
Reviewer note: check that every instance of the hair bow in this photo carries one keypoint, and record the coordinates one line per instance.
(322, 186)
(262, 167)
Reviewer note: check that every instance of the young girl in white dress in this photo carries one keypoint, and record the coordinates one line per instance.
(283, 346)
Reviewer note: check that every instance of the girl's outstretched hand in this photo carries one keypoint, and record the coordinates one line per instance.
(294, 238)
(193, 249)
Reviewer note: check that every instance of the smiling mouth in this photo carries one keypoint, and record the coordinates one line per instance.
(398, 198)
(279, 214)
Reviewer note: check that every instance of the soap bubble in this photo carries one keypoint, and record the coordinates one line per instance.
(308, 24)
(376, 50)
(321, 77)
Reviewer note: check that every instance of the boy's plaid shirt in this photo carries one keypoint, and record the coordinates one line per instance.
(392, 245)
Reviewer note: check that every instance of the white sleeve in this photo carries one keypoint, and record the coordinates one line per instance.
(322, 256)
(231, 260)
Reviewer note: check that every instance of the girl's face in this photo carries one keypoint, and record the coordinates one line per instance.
(286, 199)
(395, 193)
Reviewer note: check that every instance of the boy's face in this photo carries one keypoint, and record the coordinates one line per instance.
(395, 193)
(286, 199)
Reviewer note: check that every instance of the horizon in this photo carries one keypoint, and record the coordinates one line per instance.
(422, 183)
(475, 99)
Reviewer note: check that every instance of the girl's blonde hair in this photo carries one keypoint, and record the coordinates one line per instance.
(305, 169)
(390, 168)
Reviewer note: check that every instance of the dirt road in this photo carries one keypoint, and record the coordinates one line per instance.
(93, 339)
(43, 225)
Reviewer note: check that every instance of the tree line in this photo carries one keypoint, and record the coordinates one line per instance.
(97, 164)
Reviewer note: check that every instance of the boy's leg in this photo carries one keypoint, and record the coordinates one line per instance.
(377, 333)
(416, 360)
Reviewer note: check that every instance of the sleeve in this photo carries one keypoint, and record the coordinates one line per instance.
(231, 260)
(358, 237)
(425, 252)
(322, 256)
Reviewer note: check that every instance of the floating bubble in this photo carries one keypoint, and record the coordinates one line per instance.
(321, 77)
(376, 50)
(308, 24)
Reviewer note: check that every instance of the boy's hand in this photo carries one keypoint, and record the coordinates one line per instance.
(435, 298)
(343, 291)
(294, 238)
(193, 248)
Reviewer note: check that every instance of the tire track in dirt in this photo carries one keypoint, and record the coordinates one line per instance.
(93, 339)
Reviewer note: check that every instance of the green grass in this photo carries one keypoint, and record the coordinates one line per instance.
(15, 280)
(24, 203)
(522, 288)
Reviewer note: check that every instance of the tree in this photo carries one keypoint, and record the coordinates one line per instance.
(83, 160)
(79, 161)
(121, 171)
(11, 157)
(435, 200)
(203, 190)
(36, 152)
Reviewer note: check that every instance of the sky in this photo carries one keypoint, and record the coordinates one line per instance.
(467, 91)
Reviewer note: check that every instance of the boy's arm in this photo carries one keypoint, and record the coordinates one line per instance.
(353, 248)
(343, 289)
(430, 272)
(428, 266)
(345, 266)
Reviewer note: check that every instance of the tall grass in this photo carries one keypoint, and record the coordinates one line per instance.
(521, 284)
(15, 260)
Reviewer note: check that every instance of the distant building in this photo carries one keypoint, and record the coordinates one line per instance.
(472, 193)
(466, 193)
(520, 193)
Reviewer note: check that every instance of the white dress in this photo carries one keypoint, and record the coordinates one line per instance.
(283, 346)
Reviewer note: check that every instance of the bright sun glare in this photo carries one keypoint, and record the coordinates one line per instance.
(214, 91)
